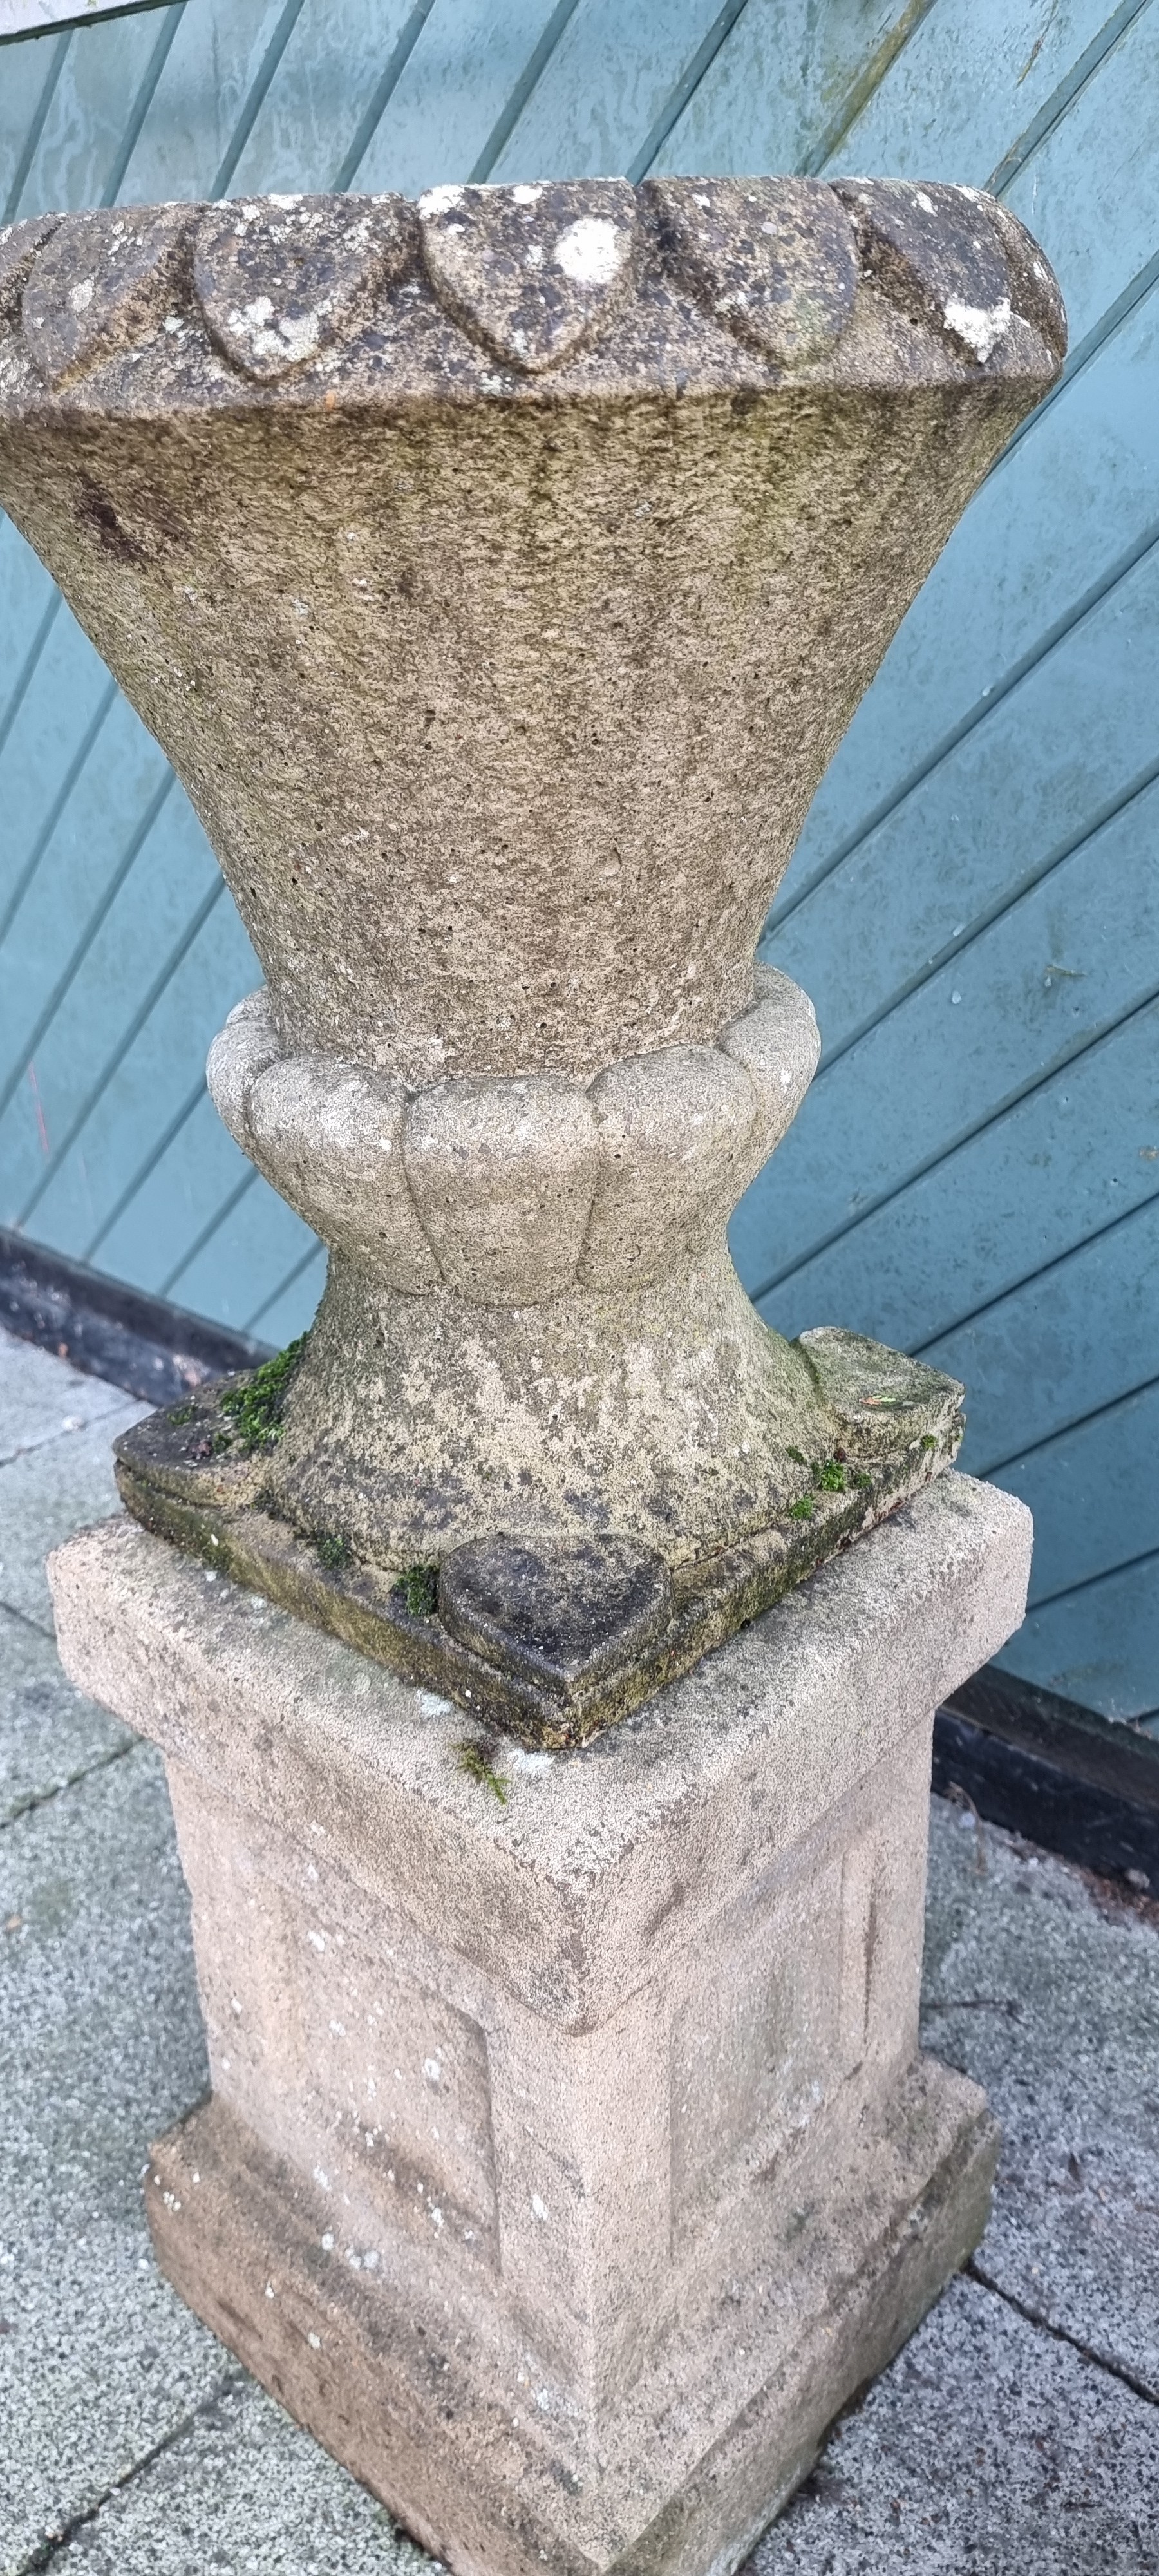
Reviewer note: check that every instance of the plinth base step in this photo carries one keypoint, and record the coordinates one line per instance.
(676, 2477)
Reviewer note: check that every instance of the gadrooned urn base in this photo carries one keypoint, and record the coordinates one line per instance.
(548, 1637)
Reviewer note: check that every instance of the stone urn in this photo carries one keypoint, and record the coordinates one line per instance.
(500, 573)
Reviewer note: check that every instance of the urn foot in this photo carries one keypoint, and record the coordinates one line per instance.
(543, 1633)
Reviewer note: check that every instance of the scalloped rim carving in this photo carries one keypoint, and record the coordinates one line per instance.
(534, 276)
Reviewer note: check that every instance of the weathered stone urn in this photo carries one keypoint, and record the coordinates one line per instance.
(500, 574)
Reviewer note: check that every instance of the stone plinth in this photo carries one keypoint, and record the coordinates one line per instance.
(570, 2159)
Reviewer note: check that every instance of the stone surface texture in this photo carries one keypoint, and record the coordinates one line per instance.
(129, 2440)
(570, 2159)
(500, 573)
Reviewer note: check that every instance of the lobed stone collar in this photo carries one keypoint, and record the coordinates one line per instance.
(499, 290)
(515, 1190)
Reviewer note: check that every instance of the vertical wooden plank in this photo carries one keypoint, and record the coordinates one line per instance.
(213, 63)
(84, 133)
(1046, 1175)
(1090, 192)
(150, 1078)
(123, 945)
(450, 97)
(612, 72)
(1099, 1646)
(312, 108)
(63, 700)
(27, 84)
(1051, 975)
(925, 121)
(1078, 1336)
(291, 1309)
(1093, 1492)
(176, 1201)
(244, 1260)
(125, 775)
(25, 592)
(778, 82)
(1061, 750)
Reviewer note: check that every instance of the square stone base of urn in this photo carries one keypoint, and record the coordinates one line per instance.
(570, 2159)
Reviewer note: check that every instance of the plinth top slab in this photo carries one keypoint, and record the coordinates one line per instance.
(646, 1828)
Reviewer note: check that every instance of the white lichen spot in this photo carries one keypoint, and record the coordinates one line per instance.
(81, 295)
(439, 201)
(174, 323)
(323, 2179)
(315, 2342)
(590, 251)
(317, 1940)
(339, 2029)
(981, 326)
(525, 196)
(533, 255)
(537, 2207)
(432, 2070)
(926, 203)
(327, 2243)
(280, 201)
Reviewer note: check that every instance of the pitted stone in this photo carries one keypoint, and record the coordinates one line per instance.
(532, 271)
(558, 1615)
(19, 244)
(936, 253)
(675, 1129)
(279, 278)
(502, 1175)
(779, 1044)
(102, 282)
(329, 1136)
(239, 1052)
(773, 259)
(1033, 285)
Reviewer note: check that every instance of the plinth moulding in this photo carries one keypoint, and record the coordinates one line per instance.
(500, 574)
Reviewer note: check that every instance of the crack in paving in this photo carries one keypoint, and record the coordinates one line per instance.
(1033, 2317)
(44, 1797)
(53, 2547)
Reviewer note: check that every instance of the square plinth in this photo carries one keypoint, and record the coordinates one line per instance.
(570, 2159)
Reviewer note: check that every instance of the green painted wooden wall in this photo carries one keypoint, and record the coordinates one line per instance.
(974, 903)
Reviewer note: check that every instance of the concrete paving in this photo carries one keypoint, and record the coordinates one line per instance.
(1018, 2432)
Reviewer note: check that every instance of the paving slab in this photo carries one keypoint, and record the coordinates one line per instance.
(242, 2489)
(102, 2048)
(47, 1491)
(41, 1396)
(1048, 1995)
(50, 1733)
(988, 2445)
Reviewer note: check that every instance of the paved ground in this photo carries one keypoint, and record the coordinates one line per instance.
(1017, 2434)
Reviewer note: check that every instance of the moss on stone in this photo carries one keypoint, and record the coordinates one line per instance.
(255, 1406)
(475, 1760)
(419, 1586)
